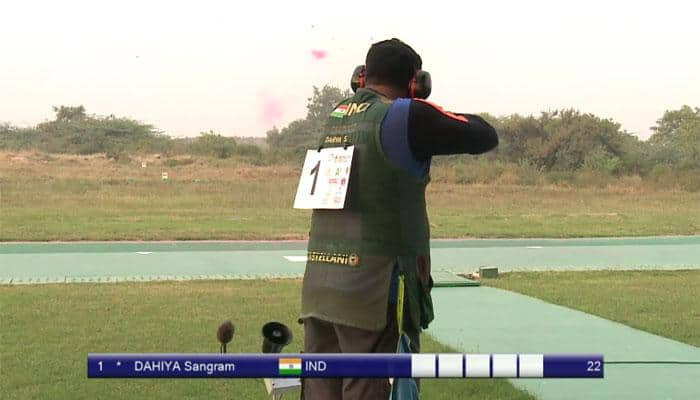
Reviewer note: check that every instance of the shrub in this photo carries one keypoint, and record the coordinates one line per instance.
(601, 161)
(215, 145)
(249, 150)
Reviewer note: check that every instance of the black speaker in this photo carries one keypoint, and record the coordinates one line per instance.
(276, 335)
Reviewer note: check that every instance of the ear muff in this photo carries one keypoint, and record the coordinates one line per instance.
(358, 78)
(421, 85)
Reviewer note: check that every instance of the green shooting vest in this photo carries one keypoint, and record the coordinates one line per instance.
(352, 252)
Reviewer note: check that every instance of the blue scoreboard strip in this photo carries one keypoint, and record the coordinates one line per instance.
(307, 365)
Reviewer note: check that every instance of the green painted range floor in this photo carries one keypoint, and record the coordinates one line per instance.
(472, 319)
(488, 320)
(119, 261)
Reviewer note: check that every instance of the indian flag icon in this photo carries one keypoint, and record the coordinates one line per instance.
(290, 366)
(340, 111)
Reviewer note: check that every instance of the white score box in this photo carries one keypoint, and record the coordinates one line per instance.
(478, 366)
(450, 365)
(531, 365)
(423, 366)
(324, 179)
(505, 365)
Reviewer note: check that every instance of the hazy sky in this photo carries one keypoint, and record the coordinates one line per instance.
(240, 67)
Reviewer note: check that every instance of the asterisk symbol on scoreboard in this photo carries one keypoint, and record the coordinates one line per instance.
(119, 363)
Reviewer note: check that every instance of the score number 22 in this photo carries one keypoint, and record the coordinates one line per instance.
(593, 366)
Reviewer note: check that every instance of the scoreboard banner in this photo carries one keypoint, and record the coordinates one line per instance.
(307, 365)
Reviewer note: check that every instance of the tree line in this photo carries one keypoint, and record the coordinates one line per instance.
(560, 140)
(73, 131)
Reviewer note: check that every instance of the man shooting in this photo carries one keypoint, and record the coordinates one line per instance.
(364, 256)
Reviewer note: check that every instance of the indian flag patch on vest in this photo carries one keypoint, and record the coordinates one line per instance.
(290, 366)
(340, 111)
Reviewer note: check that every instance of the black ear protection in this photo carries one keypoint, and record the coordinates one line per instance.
(421, 85)
(358, 78)
(419, 88)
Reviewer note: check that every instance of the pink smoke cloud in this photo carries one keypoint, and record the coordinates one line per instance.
(319, 54)
(272, 109)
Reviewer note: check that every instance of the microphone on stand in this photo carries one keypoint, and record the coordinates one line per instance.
(225, 334)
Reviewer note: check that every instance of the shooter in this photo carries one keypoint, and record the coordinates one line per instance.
(364, 257)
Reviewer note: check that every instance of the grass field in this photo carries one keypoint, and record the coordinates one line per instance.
(48, 330)
(91, 198)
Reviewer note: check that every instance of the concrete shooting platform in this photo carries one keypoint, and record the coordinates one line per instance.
(134, 261)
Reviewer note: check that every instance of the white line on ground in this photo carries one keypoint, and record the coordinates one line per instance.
(296, 258)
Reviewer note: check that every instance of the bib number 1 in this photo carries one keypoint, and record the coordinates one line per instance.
(314, 172)
(324, 179)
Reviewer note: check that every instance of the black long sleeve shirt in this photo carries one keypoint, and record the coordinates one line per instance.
(415, 130)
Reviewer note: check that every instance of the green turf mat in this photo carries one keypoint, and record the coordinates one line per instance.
(488, 320)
